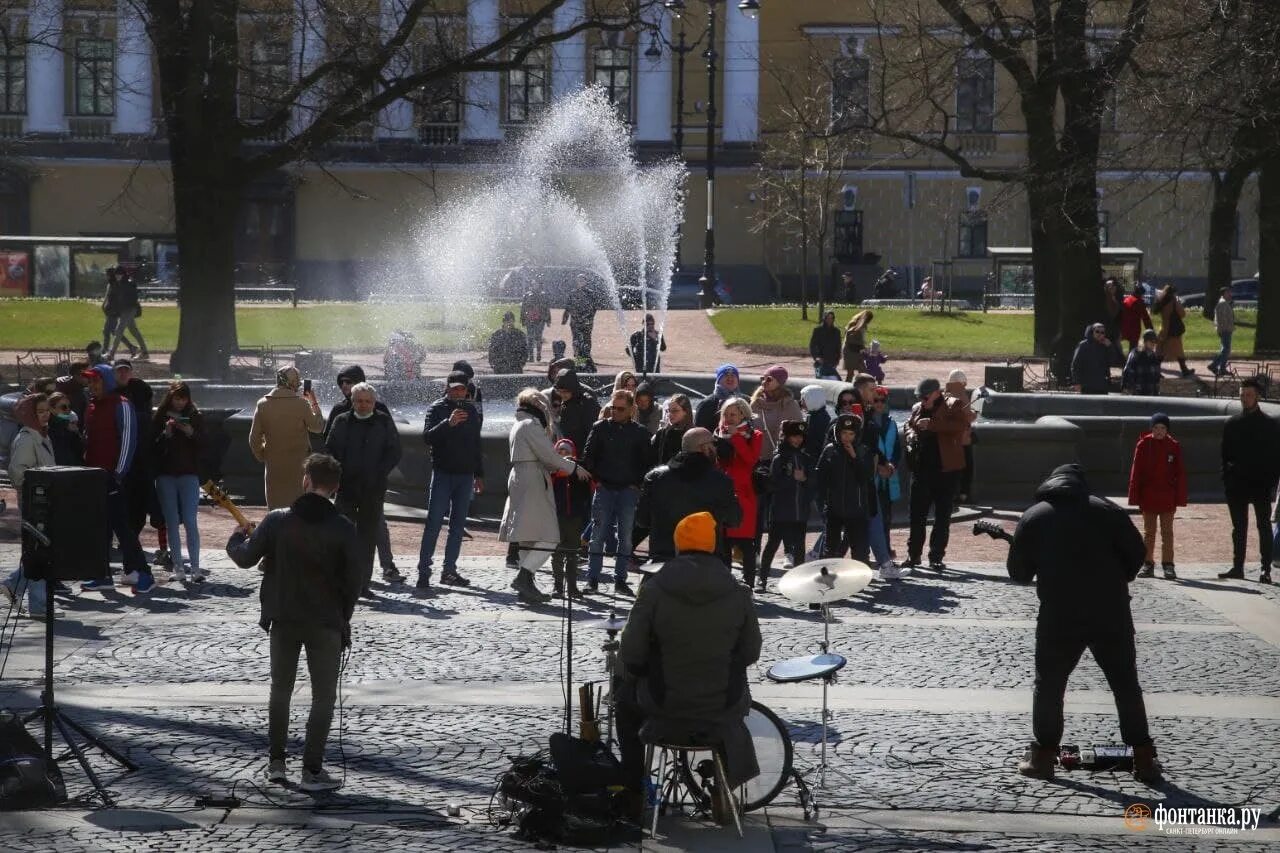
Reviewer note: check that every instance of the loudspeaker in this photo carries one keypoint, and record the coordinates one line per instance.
(1005, 378)
(68, 505)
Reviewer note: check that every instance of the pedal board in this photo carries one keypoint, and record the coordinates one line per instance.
(1099, 757)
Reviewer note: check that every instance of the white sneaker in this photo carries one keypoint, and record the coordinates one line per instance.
(320, 780)
(787, 562)
(129, 579)
(889, 570)
(276, 772)
(198, 575)
(179, 574)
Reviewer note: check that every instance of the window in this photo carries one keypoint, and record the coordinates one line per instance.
(613, 72)
(973, 235)
(527, 87)
(851, 93)
(13, 79)
(268, 77)
(975, 95)
(95, 77)
(1104, 228)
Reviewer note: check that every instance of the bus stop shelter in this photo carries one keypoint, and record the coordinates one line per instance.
(59, 267)
(1011, 283)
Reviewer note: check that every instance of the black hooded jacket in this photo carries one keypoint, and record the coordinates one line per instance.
(1091, 365)
(311, 564)
(687, 484)
(1082, 551)
(575, 416)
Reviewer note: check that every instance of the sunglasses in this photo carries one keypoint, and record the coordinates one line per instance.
(621, 408)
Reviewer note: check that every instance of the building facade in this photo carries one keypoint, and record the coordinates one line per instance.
(82, 152)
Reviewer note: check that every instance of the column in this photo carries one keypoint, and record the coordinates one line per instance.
(46, 85)
(741, 77)
(480, 118)
(568, 57)
(308, 48)
(396, 119)
(133, 72)
(653, 82)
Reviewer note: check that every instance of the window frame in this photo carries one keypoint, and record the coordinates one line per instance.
(973, 223)
(259, 108)
(625, 110)
(982, 70)
(103, 88)
(14, 57)
(855, 115)
(1104, 228)
(537, 60)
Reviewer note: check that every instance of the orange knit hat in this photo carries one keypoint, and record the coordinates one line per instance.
(696, 532)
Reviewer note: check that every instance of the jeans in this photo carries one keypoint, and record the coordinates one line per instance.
(451, 494)
(878, 539)
(37, 591)
(1149, 520)
(1238, 506)
(533, 333)
(847, 533)
(610, 506)
(324, 653)
(364, 509)
(179, 500)
(118, 524)
(1219, 363)
(109, 324)
(582, 339)
(938, 492)
(126, 323)
(1056, 657)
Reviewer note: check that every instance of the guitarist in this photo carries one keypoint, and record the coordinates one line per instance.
(1083, 552)
(313, 568)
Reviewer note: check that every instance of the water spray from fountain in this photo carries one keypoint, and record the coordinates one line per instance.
(568, 198)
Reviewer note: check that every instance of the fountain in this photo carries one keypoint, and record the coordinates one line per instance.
(568, 198)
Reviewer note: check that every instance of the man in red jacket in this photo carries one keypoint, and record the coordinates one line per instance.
(111, 440)
(1134, 317)
(1158, 486)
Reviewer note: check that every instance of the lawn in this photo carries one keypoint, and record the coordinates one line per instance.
(906, 332)
(71, 323)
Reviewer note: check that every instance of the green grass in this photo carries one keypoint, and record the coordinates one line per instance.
(70, 323)
(904, 331)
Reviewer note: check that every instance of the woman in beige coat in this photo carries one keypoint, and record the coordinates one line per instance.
(280, 436)
(529, 517)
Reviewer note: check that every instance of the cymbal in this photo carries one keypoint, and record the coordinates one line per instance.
(613, 623)
(825, 581)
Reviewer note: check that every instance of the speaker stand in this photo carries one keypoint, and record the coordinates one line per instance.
(53, 716)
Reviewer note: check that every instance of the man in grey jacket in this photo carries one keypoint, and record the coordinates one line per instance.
(312, 570)
(1224, 323)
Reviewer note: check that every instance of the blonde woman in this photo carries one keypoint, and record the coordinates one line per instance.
(855, 343)
(1172, 327)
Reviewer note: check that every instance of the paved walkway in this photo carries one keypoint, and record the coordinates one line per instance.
(928, 718)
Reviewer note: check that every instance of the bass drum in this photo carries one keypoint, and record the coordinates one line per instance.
(773, 754)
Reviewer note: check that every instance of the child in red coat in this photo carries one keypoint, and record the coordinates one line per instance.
(1158, 486)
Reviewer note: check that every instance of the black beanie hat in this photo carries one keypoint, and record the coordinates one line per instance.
(1160, 418)
(354, 372)
(790, 428)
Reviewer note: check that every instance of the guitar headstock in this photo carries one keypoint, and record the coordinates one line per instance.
(995, 531)
(215, 493)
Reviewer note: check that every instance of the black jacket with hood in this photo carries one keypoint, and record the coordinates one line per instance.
(369, 450)
(1082, 551)
(687, 484)
(311, 563)
(845, 486)
(575, 416)
(1091, 365)
(791, 497)
(355, 373)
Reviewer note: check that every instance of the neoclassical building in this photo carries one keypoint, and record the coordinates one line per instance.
(82, 156)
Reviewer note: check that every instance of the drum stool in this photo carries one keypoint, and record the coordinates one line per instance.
(672, 786)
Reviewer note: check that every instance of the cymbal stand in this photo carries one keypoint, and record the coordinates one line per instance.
(827, 681)
(610, 649)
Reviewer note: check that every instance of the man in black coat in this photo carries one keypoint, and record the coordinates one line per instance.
(1091, 362)
(1250, 472)
(348, 378)
(580, 313)
(508, 347)
(645, 345)
(575, 408)
(689, 483)
(824, 348)
(619, 450)
(312, 571)
(1083, 552)
(140, 483)
(452, 430)
(366, 443)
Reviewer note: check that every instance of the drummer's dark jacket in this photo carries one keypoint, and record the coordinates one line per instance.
(311, 563)
(688, 641)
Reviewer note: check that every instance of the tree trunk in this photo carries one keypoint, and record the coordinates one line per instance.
(1267, 338)
(1045, 268)
(1227, 186)
(205, 215)
(804, 248)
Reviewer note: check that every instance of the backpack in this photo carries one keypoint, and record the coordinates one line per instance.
(26, 781)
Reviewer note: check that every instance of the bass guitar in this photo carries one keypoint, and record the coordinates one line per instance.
(992, 529)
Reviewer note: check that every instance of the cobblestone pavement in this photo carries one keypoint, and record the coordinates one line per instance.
(441, 689)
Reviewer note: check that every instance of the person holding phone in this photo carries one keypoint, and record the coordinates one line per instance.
(280, 435)
(178, 435)
(452, 430)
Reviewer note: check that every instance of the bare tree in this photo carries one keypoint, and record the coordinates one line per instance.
(356, 60)
(1064, 57)
(805, 157)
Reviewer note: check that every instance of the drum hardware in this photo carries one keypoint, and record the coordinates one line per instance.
(819, 582)
(611, 626)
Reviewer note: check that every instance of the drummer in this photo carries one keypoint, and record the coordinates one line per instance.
(685, 651)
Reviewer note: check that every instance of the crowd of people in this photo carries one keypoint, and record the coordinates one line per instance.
(1127, 317)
